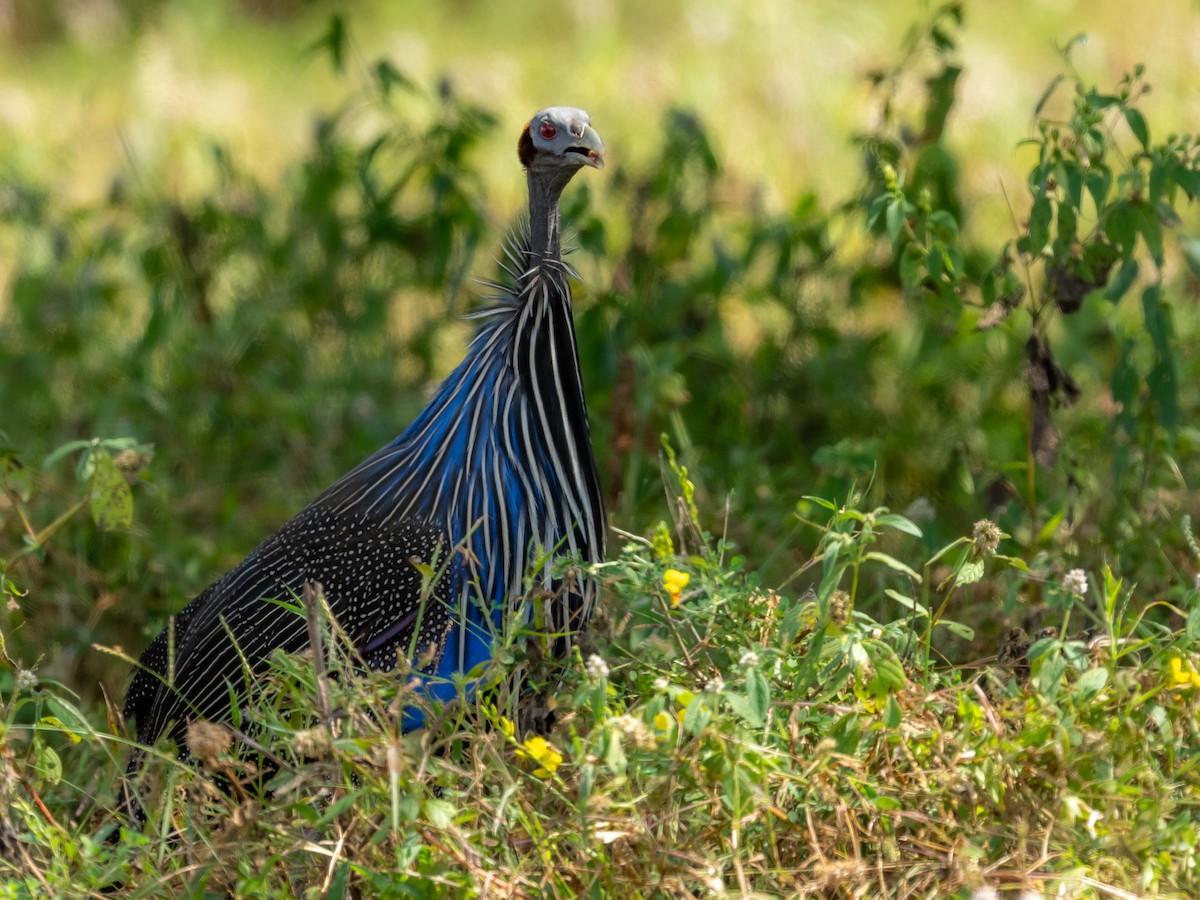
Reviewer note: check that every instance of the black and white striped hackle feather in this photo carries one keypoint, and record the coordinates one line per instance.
(495, 476)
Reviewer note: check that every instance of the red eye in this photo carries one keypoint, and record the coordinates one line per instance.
(548, 131)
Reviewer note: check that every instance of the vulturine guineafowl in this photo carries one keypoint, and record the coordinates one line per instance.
(491, 482)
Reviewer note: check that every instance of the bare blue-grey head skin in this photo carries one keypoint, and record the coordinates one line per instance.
(557, 143)
(492, 484)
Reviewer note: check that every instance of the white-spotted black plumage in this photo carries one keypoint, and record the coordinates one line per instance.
(494, 481)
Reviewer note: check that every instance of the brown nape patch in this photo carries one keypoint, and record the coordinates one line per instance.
(525, 149)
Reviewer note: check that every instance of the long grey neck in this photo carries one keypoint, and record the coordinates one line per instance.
(545, 187)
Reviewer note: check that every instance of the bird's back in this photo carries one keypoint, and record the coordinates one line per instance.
(229, 630)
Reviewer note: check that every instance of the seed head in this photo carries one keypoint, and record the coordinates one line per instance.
(635, 731)
(208, 740)
(313, 743)
(839, 608)
(987, 537)
(129, 460)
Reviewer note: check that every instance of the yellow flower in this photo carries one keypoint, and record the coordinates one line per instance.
(674, 582)
(1182, 675)
(509, 727)
(662, 726)
(544, 753)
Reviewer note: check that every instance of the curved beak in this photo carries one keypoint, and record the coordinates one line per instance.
(589, 147)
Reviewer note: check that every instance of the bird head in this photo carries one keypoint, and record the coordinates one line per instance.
(560, 138)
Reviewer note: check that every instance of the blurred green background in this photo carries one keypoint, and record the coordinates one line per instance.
(243, 234)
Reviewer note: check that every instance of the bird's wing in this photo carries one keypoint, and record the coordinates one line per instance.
(371, 580)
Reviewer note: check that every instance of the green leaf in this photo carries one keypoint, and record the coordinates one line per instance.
(969, 572)
(57, 724)
(111, 500)
(1047, 531)
(1040, 647)
(820, 501)
(1137, 124)
(1125, 277)
(337, 887)
(943, 225)
(1039, 223)
(900, 523)
(615, 759)
(913, 266)
(1120, 227)
(15, 479)
(1150, 228)
(1124, 386)
(333, 42)
(758, 696)
(1158, 323)
(47, 763)
(1158, 188)
(832, 572)
(697, 716)
(1189, 180)
(1112, 593)
(907, 602)
(799, 616)
(896, 214)
(65, 450)
(439, 813)
(892, 714)
(1098, 181)
(1091, 683)
(338, 807)
(954, 262)
(1163, 383)
(1050, 671)
(875, 210)
(389, 77)
(958, 629)
(889, 671)
(1066, 224)
(957, 542)
(1073, 179)
(892, 563)
(1193, 625)
(1013, 562)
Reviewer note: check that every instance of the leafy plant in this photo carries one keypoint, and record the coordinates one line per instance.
(1099, 211)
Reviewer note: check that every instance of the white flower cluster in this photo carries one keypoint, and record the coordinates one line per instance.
(635, 731)
(596, 667)
(1076, 582)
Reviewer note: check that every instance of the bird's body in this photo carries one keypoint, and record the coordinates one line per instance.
(491, 482)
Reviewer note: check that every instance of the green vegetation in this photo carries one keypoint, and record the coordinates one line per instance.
(916, 616)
